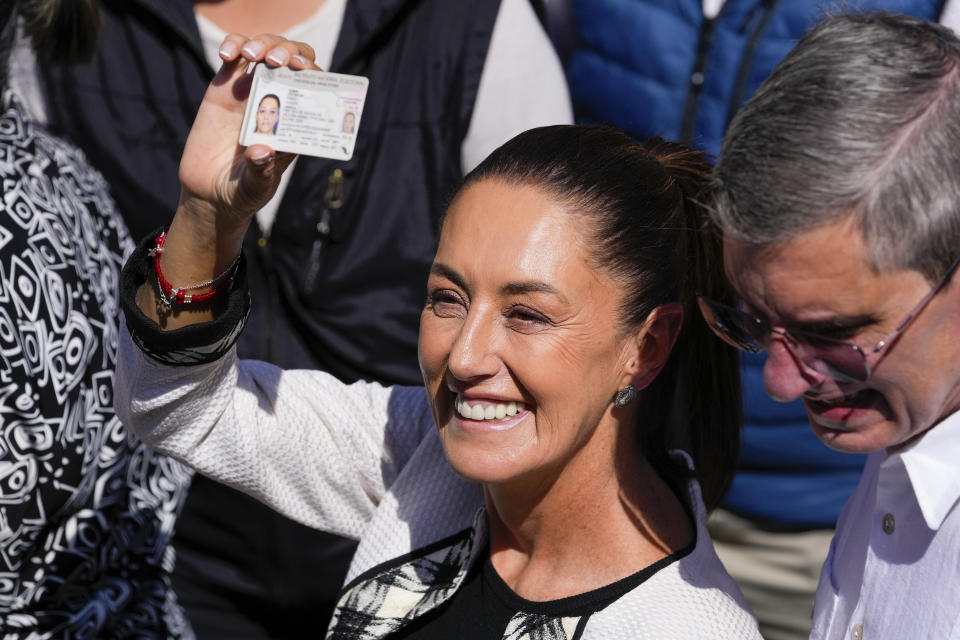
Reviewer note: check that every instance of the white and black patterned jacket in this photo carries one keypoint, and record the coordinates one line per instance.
(86, 510)
(365, 461)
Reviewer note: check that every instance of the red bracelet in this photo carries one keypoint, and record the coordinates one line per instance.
(171, 295)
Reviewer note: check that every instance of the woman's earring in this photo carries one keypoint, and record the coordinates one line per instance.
(625, 396)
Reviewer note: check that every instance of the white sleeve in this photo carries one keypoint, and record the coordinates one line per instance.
(317, 450)
(522, 85)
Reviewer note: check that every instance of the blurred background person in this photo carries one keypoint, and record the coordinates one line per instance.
(338, 258)
(681, 70)
(86, 510)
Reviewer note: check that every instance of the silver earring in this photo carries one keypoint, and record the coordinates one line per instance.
(625, 396)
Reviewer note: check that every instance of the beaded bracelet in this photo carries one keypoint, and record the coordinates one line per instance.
(170, 295)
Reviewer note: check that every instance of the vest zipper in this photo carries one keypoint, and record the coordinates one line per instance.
(264, 250)
(746, 62)
(697, 77)
(332, 202)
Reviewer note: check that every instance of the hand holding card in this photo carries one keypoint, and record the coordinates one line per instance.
(305, 112)
(215, 173)
(222, 183)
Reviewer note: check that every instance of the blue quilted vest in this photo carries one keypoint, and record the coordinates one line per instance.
(659, 67)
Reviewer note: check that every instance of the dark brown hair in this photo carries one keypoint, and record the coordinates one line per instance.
(61, 30)
(643, 206)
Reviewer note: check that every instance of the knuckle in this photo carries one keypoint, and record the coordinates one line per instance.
(268, 38)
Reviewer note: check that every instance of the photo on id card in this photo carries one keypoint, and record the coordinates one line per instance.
(306, 112)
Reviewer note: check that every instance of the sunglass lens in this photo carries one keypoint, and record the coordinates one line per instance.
(841, 361)
(731, 325)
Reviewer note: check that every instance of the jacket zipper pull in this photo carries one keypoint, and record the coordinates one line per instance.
(332, 201)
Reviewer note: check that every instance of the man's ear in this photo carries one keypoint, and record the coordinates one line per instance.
(652, 344)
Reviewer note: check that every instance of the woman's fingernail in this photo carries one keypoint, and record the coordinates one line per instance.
(228, 50)
(302, 60)
(261, 159)
(253, 49)
(278, 56)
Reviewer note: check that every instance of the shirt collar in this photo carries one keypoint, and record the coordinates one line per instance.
(931, 464)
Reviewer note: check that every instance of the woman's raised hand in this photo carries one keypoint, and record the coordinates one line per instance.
(219, 177)
(222, 184)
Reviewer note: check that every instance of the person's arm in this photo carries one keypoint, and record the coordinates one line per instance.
(222, 184)
(319, 451)
(522, 85)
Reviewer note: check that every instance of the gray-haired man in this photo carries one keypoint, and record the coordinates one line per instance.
(840, 208)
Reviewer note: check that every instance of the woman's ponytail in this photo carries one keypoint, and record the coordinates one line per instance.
(703, 383)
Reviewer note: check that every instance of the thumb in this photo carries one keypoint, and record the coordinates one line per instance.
(257, 178)
(259, 159)
(266, 163)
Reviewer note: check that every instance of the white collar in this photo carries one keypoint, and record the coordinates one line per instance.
(933, 466)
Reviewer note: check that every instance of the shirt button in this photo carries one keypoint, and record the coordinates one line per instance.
(857, 632)
(888, 524)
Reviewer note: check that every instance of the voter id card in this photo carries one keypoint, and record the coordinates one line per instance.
(307, 112)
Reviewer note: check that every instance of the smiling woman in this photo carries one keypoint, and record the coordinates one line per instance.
(535, 488)
(545, 262)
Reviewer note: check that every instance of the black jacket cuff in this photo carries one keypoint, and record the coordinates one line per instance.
(195, 344)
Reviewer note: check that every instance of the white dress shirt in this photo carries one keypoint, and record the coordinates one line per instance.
(893, 571)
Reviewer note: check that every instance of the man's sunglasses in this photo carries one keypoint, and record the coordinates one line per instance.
(842, 361)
